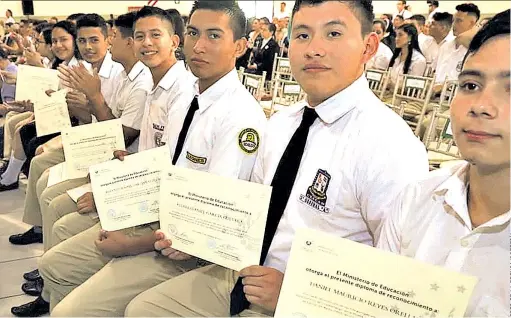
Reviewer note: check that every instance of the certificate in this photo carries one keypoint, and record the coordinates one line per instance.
(87, 145)
(33, 82)
(76, 193)
(51, 114)
(215, 218)
(127, 193)
(327, 276)
(57, 174)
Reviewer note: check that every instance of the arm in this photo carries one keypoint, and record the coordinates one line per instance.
(418, 68)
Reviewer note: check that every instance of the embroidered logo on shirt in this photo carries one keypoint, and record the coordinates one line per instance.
(195, 159)
(316, 194)
(248, 140)
(157, 139)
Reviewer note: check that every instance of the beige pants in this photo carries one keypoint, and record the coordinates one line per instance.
(32, 213)
(203, 292)
(80, 281)
(11, 120)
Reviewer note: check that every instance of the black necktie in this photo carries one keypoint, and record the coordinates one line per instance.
(282, 184)
(184, 130)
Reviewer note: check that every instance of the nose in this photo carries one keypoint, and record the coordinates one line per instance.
(315, 48)
(484, 105)
(199, 46)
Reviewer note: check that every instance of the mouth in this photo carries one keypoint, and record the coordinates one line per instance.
(477, 135)
(315, 68)
(198, 61)
(149, 53)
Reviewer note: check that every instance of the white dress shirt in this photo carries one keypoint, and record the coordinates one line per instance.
(107, 74)
(450, 60)
(175, 89)
(359, 156)
(429, 48)
(130, 98)
(227, 114)
(430, 222)
(405, 14)
(381, 59)
(417, 67)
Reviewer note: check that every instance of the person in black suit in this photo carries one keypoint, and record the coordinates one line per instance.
(264, 56)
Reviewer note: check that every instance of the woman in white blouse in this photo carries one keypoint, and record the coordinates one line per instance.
(407, 58)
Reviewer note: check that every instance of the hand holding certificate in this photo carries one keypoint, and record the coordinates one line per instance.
(127, 193)
(328, 276)
(33, 82)
(214, 218)
(51, 114)
(91, 144)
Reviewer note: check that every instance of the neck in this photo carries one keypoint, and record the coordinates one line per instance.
(97, 65)
(440, 39)
(128, 65)
(162, 69)
(205, 83)
(404, 52)
(488, 196)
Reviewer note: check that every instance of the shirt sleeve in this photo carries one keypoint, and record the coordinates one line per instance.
(134, 109)
(418, 67)
(390, 231)
(237, 142)
(380, 180)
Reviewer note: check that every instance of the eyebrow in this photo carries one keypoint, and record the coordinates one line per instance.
(190, 27)
(330, 23)
(469, 72)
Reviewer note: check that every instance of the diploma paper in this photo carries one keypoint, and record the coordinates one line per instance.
(76, 193)
(214, 218)
(127, 193)
(33, 82)
(91, 144)
(328, 276)
(51, 114)
(57, 174)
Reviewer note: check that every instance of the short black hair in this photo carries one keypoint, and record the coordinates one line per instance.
(39, 28)
(444, 18)
(4, 55)
(419, 18)
(124, 23)
(433, 3)
(229, 7)
(92, 20)
(499, 25)
(264, 20)
(176, 24)
(9, 24)
(403, 1)
(110, 22)
(75, 16)
(380, 22)
(470, 9)
(46, 32)
(363, 10)
(400, 17)
(272, 28)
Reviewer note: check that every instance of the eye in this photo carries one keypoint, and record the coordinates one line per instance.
(469, 87)
(139, 37)
(191, 33)
(334, 34)
(214, 36)
(156, 35)
(302, 36)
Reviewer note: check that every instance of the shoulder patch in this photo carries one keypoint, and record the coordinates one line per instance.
(196, 159)
(248, 140)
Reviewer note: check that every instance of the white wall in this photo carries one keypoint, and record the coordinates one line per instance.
(260, 7)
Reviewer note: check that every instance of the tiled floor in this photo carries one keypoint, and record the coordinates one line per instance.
(14, 260)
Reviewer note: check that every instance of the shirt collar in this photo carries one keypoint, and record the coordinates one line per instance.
(172, 75)
(136, 70)
(454, 192)
(341, 103)
(213, 93)
(107, 66)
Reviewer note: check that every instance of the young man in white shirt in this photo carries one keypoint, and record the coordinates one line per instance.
(433, 7)
(441, 28)
(127, 103)
(319, 157)
(203, 134)
(381, 59)
(427, 43)
(458, 218)
(451, 54)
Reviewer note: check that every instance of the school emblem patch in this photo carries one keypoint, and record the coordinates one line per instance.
(158, 139)
(248, 140)
(315, 196)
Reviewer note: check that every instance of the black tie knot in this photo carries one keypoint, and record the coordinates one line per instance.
(309, 116)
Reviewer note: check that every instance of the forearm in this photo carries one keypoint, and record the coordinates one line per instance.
(100, 108)
(141, 244)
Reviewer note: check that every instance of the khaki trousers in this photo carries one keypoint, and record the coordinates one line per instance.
(11, 120)
(203, 292)
(80, 281)
(32, 210)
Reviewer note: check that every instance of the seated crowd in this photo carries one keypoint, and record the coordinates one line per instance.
(177, 85)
